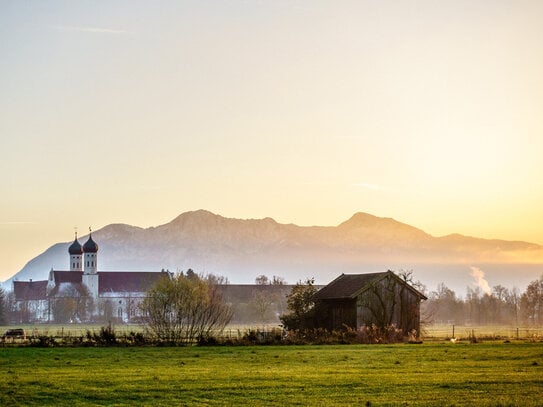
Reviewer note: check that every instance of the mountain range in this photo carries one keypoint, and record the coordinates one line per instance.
(241, 249)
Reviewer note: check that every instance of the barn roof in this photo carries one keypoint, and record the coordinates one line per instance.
(127, 281)
(349, 286)
(30, 290)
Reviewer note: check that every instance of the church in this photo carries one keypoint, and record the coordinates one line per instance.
(83, 293)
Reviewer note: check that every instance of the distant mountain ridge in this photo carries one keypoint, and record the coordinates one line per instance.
(240, 249)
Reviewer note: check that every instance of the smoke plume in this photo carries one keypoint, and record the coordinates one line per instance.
(480, 281)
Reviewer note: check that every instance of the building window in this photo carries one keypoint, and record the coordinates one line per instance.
(87, 263)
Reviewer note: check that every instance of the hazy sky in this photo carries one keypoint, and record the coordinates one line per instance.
(429, 112)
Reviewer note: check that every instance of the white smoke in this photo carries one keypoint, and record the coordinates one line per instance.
(480, 281)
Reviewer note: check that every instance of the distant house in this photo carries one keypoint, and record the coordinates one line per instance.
(31, 302)
(355, 300)
(83, 292)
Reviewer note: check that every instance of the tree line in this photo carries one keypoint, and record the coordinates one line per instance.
(500, 306)
(183, 296)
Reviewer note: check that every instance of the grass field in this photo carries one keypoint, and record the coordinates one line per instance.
(428, 374)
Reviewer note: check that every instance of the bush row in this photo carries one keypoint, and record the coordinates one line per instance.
(277, 336)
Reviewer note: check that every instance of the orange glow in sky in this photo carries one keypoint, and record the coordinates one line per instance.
(305, 111)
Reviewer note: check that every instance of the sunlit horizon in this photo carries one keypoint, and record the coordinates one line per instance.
(306, 112)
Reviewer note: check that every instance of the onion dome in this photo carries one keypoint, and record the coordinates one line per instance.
(75, 247)
(90, 246)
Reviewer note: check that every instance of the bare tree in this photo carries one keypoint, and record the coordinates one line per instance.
(444, 306)
(261, 304)
(391, 300)
(276, 280)
(531, 302)
(3, 307)
(183, 308)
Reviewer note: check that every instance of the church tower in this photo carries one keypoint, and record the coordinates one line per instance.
(76, 254)
(90, 266)
(90, 248)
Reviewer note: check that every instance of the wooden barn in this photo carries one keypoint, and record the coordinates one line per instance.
(383, 299)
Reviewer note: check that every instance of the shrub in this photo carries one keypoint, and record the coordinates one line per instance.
(43, 341)
(374, 334)
(106, 337)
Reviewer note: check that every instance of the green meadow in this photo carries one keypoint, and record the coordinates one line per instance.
(426, 374)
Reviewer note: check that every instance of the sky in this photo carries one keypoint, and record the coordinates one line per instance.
(304, 111)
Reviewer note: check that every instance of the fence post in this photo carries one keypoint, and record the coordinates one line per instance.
(453, 331)
(517, 334)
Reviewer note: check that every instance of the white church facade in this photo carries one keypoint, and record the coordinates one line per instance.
(83, 293)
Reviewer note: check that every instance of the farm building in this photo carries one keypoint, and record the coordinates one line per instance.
(83, 292)
(383, 299)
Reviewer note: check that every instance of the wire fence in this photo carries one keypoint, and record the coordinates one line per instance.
(482, 332)
(434, 332)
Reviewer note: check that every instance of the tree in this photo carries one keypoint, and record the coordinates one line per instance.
(444, 306)
(276, 280)
(261, 304)
(72, 304)
(64, 309)
(3, 307)
(105, 311)
(183, 308)
(301, 306)
(262, 280)
(390, 301)
(531, 302)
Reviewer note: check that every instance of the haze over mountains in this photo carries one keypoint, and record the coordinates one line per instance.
(241, 249)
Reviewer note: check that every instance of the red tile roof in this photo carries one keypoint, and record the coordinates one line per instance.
(127, 281)
(30, 290)
(63, 276)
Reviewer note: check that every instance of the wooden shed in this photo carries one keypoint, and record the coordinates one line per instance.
(383, 299)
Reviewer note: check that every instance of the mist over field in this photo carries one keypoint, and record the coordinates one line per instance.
(241, 249)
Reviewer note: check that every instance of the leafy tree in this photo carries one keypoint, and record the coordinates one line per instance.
(184, 308)
(72, 304)
(64, 309)
(301, 306)
(262, 280)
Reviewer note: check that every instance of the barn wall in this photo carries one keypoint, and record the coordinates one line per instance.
(337, 314)
(389, 302)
